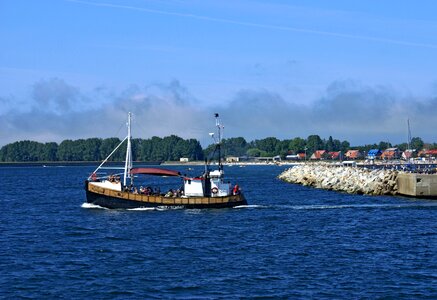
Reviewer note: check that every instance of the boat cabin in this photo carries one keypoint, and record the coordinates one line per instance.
(194, 187)
(212, 186)
(218, 187)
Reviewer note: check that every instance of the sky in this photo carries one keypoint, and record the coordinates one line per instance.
(353, 70)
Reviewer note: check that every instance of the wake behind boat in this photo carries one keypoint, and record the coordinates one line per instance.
(209, 190)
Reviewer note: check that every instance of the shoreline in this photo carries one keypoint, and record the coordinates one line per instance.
(65, 163)
(378, 164)
(137, 163)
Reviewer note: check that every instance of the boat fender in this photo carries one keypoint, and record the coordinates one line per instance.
(214, 190)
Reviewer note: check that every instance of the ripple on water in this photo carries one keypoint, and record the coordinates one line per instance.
(288, 242)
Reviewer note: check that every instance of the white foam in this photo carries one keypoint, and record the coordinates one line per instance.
(92, 206)
(164, 207)
(250, 206)
(343, 206)
(142, 208)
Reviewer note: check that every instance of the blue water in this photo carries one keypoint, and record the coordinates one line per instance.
(290, 242)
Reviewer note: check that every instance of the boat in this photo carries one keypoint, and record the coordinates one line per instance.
(118, 191)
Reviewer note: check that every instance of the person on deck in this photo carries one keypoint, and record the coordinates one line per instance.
(236, 190)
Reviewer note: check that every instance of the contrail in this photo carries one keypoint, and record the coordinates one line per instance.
(265, 26)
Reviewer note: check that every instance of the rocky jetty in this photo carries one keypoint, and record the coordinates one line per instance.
(353, 180)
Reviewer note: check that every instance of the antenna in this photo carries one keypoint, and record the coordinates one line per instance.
(218, 140)
(409, 134)
(219, 128)
(212, 135)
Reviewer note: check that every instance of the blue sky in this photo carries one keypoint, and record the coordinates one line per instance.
(352, 70)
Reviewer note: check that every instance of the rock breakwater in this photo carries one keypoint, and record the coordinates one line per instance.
(353, 180)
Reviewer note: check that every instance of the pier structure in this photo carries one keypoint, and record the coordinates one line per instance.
(358, 180)
(417, 185)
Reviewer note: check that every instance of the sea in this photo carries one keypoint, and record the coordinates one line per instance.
(289, 242)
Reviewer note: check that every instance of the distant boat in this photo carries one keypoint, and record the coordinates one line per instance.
(209, 190)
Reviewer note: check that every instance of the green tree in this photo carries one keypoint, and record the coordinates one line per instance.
(22, 151)
(402, 147)
(313, 143)
(432, 146)
(108, 145)
(384, 145)
(89, 149)
(49, 152)
(195, 149)
(344, 146)
(417, 143)
(235, 146)
(366, 148)
(268, 145)
(157, 153)
(255, 152)
(297, 145)
(329, 146)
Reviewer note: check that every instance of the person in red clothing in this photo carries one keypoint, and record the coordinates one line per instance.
(236, 190)
(94, 177)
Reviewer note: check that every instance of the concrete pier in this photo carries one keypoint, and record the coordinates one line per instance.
(417, 185)
(357, 180)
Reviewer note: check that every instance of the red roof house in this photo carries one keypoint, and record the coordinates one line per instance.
(334, 154)
(390, 153)
(319, 154)
(353, 154)
(428, 153)
(301, 155)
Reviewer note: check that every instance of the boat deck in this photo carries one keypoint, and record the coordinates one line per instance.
(98, 195)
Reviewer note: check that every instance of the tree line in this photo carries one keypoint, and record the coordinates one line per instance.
(272, 146)
(172, 148)
(96, 149)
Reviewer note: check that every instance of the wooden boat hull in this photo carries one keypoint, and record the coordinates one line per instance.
(125, 200)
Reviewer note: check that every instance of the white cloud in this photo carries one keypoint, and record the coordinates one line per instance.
(348, 111)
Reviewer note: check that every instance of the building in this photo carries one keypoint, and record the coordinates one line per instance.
(353, 154)
(292, 157)
(334, 155)
(302, 156)
(428, 153)
(390, 153)
(374, 154)
(320, 155)
(408, 154)
(268, 159)
(232, 159)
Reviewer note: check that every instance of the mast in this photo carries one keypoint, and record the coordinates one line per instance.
(128, 161)
(409, 134)
(219, 139)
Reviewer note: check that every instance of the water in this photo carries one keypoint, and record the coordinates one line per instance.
(289, 242)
